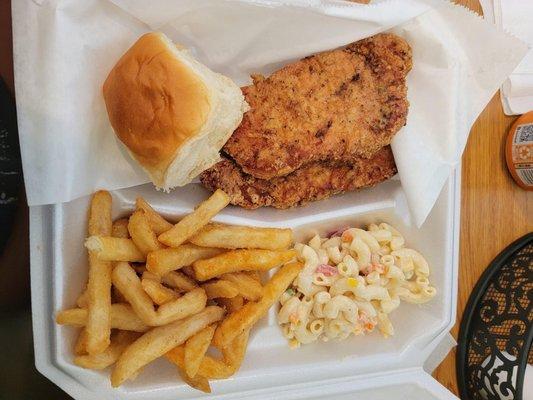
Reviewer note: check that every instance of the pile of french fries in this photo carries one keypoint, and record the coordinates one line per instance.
(157, 289)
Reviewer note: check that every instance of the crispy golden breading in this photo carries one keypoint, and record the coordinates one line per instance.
(332, 106)
(312, 182)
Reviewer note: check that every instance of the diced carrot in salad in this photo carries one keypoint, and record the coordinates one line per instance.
(346, 237)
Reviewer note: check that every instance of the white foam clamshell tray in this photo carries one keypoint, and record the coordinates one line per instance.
(359, 365)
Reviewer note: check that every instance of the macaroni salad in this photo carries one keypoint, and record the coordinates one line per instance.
(350, 282)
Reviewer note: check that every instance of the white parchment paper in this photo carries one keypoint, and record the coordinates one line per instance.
(64, 49)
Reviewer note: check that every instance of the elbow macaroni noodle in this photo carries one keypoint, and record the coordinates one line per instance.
(351, 283)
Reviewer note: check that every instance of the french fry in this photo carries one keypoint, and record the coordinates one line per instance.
(159, 341)
(255, 275)
(248, 287)
(119, 341)
(231, 304)
(99, 283)
(242, 320)
(83, 299)
(80, 348)
(157, 310)
(122, 317)
(195, 349)
(142, 234)
(163, 261)
(212, 368)
(240, 260)
(116, 297)
(179, 281)
(215, 369)
(108, 248)
(100, 222)
(233, 355)
(198, 382)
(98, 305)
(120, 228)
(188, 304)
(242, 237)
(220, 288)
(157, 222)
(129, 284)
(235, 352)
(193, 222)
(149, 275)
(157, 292)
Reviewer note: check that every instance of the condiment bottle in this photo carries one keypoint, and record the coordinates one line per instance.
(519, 151)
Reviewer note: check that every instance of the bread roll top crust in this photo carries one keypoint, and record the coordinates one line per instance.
(155, 102)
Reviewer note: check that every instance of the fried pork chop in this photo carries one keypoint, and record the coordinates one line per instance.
(315, 181)
(332, 106)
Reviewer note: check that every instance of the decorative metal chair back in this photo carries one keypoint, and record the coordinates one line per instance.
(497, 327)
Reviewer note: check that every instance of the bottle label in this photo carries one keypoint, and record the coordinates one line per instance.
(522, 153)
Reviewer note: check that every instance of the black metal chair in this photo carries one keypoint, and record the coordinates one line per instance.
(496, 331)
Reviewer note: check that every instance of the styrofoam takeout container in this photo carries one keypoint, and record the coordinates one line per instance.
(370, 367)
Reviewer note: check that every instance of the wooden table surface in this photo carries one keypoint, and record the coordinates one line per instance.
(494, 211)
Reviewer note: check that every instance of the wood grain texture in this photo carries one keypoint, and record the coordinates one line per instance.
(494, 210)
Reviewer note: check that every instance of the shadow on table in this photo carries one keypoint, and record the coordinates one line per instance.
(19, 379)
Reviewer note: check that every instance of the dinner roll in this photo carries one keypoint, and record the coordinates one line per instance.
(171, 112)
